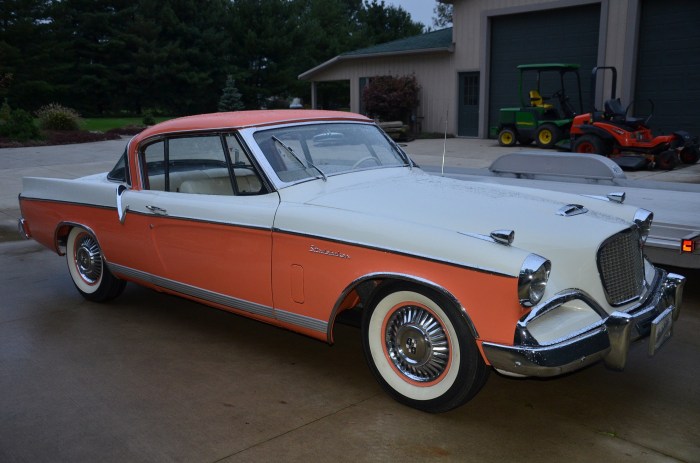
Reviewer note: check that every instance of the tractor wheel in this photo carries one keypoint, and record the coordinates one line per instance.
(507, 137)
(525, 141)
(547, 136)
(690, 155)
(666, 160)
(591, 144)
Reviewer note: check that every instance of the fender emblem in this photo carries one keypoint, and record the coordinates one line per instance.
(318, 250)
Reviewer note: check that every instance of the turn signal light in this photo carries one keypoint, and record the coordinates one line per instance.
(689, 243)
(687, 246)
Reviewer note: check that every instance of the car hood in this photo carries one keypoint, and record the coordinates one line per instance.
(446, 219)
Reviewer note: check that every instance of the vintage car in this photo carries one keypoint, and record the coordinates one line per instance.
(300, 218)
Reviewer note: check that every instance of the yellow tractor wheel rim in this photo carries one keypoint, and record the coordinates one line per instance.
(545, 136)
(506, 138)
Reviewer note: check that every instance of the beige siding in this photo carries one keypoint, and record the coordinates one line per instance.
(437, 73)
(434, 72)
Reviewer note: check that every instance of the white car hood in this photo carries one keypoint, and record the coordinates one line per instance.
(446, 219)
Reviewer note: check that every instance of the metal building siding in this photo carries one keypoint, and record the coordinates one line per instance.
(668, 65)
(564, 35)
(434, 72)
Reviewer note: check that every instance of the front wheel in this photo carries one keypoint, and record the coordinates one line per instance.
(88, 269)
(507, 137)
(547, 136)
(420, 349)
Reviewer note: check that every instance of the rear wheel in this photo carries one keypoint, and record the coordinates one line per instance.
(591, 144)
(547, 136)
(507, 137)
(690, 155)
(420, 349)
(88, 269)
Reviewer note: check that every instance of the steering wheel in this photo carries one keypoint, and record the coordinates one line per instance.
(366, 158)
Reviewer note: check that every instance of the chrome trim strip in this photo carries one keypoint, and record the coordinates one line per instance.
(301, 320)
(22, 228)
(401, 253)
(221, 299)
(404, 277)
(193, 291)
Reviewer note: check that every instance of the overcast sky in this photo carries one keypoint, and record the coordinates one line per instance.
(420, 10)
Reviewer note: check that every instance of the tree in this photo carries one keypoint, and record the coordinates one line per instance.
(391, 98)
(231, 98)
(443, 15)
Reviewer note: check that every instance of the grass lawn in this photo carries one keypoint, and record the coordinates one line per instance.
(103, 124)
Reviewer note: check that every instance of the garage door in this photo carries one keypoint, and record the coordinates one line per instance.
(668, 65)
(564, 35)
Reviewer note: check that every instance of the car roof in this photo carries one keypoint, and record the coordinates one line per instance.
(241, 119)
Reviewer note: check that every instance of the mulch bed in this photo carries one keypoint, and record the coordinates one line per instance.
(52, 137)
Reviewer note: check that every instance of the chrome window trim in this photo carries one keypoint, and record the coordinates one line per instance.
(247, 134)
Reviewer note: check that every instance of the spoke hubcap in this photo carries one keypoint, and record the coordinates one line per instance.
(417, 344)
(88, 259)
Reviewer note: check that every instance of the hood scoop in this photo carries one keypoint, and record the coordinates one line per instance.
(571, 209)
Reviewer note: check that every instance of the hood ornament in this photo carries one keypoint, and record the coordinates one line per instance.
(571, 209)
(503, 236)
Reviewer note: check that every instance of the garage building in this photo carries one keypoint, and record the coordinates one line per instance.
(468, 72)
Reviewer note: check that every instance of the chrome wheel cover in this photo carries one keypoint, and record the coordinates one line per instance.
(416, 344)
(88, 259)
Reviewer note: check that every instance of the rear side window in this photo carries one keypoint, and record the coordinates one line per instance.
(120, 172)
(200, 164)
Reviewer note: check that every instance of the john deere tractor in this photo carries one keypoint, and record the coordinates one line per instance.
(545, 113)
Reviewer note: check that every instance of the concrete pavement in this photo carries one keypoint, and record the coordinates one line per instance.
(153, 378)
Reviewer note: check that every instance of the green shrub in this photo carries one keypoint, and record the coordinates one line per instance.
(149, 118)
(5, 112)
(19, 126)
(57, 117)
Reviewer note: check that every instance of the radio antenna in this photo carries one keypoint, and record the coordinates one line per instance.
(444, 144)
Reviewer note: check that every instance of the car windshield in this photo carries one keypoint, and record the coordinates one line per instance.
(320, 150)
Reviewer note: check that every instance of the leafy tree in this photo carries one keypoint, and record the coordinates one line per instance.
(231, 98)
(443, 15)
(391, 98)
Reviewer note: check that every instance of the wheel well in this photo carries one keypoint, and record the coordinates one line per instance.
(61, 237)
(359, 293)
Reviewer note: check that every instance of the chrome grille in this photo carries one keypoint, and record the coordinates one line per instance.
(621, 267)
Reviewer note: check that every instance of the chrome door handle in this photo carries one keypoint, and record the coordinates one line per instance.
(157, 210)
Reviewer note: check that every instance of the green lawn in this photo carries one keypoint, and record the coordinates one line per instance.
(103, 124)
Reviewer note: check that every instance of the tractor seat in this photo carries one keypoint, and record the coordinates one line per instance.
(616, 113)
(536, 100)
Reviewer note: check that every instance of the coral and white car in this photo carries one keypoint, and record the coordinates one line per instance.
(297, 218)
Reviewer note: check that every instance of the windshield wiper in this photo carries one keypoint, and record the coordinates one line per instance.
(291, 151)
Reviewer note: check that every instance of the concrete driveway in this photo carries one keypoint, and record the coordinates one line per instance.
(153, 378)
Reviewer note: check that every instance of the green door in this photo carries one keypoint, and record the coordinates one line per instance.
(468, 118)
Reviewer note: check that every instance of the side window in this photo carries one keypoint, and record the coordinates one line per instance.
(198, 165)
(154, 166)
(246, 177)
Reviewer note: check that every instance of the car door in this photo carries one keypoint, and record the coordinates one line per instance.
(210, 220)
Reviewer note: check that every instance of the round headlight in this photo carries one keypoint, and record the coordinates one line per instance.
(643, 219)
(533, 279)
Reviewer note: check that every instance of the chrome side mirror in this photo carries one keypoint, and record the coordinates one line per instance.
(121, 209)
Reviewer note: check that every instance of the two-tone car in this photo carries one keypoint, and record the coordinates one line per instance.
(299, 218)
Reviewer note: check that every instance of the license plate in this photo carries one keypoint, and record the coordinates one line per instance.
(661, 329)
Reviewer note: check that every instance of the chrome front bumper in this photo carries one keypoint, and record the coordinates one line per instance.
(608, 340)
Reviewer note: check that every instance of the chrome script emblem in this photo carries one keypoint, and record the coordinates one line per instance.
(318, 250)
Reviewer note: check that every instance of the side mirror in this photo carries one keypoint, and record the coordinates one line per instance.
(121, 209)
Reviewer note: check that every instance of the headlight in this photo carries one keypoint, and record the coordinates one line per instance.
(533, 279)
(643, 219)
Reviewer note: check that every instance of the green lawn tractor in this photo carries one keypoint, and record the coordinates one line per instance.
(546, 120)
